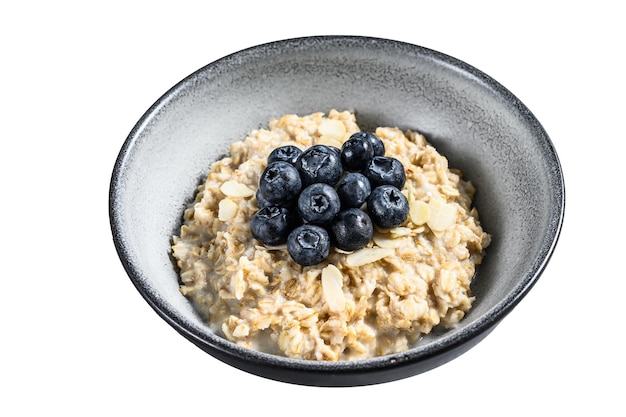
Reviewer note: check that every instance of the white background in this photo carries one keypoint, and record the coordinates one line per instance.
(78, 339)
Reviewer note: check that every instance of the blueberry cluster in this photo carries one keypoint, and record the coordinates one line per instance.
(312, 199)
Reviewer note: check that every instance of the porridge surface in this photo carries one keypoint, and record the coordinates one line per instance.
(374, 301)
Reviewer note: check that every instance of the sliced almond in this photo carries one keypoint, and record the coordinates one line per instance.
(342, 251)
(438, 233)
(386, 240)
(236, 189)
(332, 127)
(368, 255)
(227, 210)
(419, 230)
(419, 212)
(330, 140)
(442, 214)
(401, 231)
(332, 283)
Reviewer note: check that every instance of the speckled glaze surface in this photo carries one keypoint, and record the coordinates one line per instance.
(477, 123)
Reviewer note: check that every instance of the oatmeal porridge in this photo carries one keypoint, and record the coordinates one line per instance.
(354, 303)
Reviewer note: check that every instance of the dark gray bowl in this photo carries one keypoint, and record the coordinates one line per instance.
(478, 124)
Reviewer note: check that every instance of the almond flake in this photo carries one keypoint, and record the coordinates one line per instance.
(332, 127)
(442, 214)
(368, 255)
(236, 189)
(277, 247)
(330, 140)
(419, 212)
(332, 282)
(386, 240)
(342, 251)
(397, 232)
(227, 210)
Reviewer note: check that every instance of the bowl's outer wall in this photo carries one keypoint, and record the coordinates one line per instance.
(479, 125)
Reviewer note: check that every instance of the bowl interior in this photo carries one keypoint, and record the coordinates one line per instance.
(482, 129)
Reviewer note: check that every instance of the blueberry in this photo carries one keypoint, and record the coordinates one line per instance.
(318, 204)
(287, 153)
(352, 229)
(308, 244)
(336, 150)
(353, 190)
(271, 225)
(387, 206)
(280, 182)
(377, 143)
(262, 202)
(383, 170)
(356, 153)
(319, 163)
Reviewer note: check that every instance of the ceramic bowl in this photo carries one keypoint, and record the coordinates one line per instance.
(481, 127)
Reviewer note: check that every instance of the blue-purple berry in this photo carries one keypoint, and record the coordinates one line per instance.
(351, 229)
(356, 152)
(308, 244)
(387, 207)
(377, 143)
(271, 225)
(287, 153)
(280, 182)
(353, 190)
(318, 204)
(384, 170)
(319, 163)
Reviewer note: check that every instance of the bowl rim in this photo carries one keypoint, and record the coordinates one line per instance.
(481, 325)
